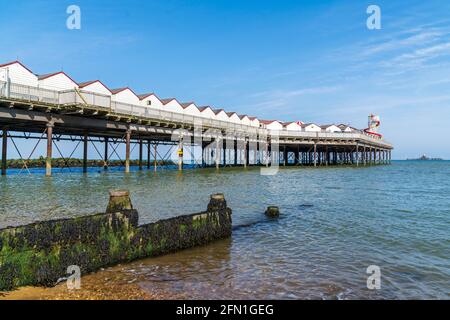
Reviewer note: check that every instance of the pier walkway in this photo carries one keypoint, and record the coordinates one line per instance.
(83, 116)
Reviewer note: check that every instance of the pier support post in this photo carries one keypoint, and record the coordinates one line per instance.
(246, 153)
(285, 156)
(85, 151)
(217, 154)
(155, 151)
(48, 161)
(4, 150)
(235, 152)
(105, 156)
(224, 152)
(127, 150)
(180, 154)
(315, 154)
(149, 146)
(297, 156)
(357, 155)
(203, 150)
(140, 154)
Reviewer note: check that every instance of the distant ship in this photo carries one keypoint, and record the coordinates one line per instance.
(425, 158)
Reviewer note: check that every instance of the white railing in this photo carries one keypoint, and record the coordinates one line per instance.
(72, 97)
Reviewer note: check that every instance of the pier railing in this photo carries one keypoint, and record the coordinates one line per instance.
(104, 102)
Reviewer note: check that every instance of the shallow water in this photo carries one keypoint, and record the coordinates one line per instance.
(335, 222)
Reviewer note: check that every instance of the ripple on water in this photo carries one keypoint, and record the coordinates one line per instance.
(334, 224)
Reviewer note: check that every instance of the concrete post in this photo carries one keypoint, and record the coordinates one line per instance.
(246, 153)
(155, 150)
(149, 145)
(105, 156)
(357, 155)
(85, 151)
(315, 154)
(224, 153)
(4, 150)
(180, 154)
(217, 154)
(140, 154)
(235, 152)
(48, 161)
(127, 151)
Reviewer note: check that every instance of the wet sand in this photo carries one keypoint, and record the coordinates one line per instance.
(108, 284)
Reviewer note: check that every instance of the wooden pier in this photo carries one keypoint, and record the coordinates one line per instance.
(36, 114)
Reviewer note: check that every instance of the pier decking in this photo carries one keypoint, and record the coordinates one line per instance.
(84, 116)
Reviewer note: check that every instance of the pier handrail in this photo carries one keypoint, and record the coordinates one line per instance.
(72, 97)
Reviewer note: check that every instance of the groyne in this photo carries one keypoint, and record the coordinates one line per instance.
(40, 253)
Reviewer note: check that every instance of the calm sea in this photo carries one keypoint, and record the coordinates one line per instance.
(335, 222)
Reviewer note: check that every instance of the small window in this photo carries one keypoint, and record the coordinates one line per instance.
(149, 102)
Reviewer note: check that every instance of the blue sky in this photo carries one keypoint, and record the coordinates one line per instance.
(313, 61)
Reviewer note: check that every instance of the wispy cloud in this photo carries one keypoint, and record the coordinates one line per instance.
(281, 98)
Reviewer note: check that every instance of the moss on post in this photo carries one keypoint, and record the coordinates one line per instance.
(119, 200)
(39, 253)
(217, 202)
(272, 212)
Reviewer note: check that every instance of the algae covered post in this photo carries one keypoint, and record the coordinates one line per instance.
(39, 253)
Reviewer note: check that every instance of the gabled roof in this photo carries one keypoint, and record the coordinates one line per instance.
(217, 111)
(229, 114)
(49, 75)
(166, 101)
(308, 124)
(84, 84)
(146, 95)
(119, 90)
(291, 122)
(204, 108)
(253, 118)
(187, 104)
(242, 116)
(14, 62)
(268, 121)
(324, 126)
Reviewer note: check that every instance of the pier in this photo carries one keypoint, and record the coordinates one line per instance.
(85, 118)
